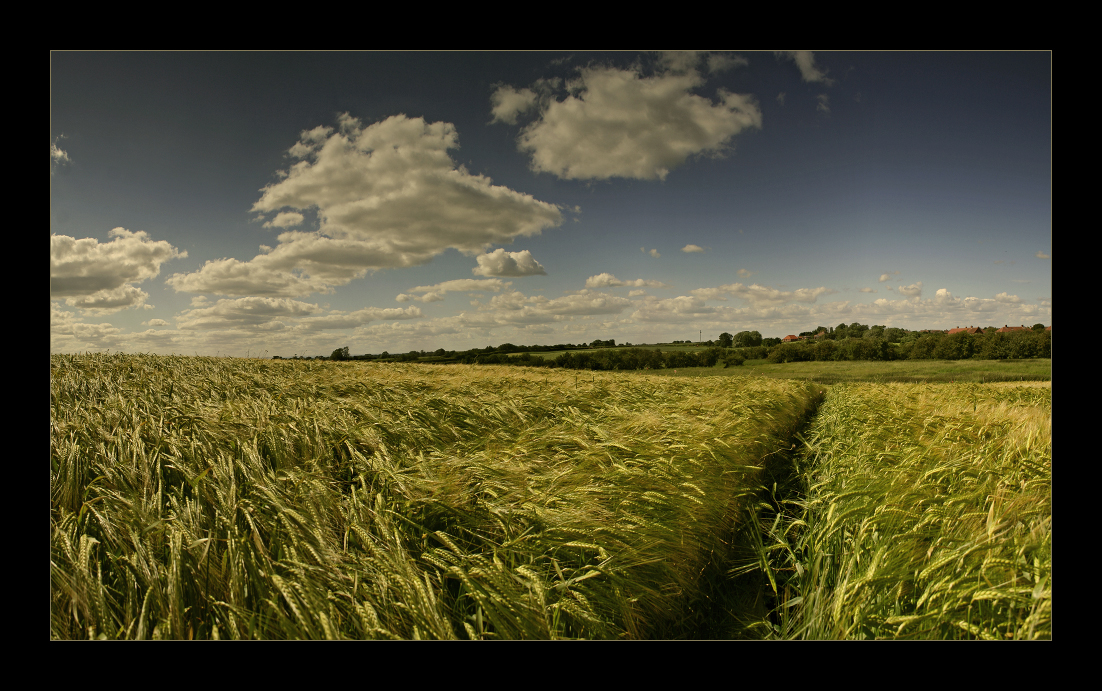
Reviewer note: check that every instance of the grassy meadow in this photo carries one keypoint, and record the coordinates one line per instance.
(203, 498)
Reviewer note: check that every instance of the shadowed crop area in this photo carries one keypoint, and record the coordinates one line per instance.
(925, 511)
(218, 498)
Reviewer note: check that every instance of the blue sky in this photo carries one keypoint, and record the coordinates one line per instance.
(289, 203)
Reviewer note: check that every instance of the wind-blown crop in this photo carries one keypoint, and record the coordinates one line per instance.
(928, 514)
(218, 498)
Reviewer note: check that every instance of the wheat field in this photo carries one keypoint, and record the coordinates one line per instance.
(204, 498)
(925, 512)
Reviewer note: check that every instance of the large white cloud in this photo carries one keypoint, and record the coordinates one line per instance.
(387, 195)
(502, 263)
(98, 276)
(619, 123)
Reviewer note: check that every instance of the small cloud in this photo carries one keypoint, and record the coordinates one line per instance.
(608, 280)
(888, 276)
(507, 103)
(745, 273)
(502, 263)
(780, 98)
(1000, 261)
(824, 104)
(1042, 255)
(867, 290)
(285, 219)
(58, 158)
(1009, 299)
(719, 62)
(654, 253)
(692, 248)
(805, 61)
(913, 290)
(155, 322)
(636, 293)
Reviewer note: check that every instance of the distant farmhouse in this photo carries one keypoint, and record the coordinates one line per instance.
(967, 330)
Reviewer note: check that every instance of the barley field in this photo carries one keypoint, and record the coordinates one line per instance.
(204, 498)
(924, 511)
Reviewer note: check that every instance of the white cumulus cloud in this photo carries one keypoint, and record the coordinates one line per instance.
(387, 195)
(98, 276)
(619, 123)
(508, 103)
(913, 290)
(692, 248)
(502, 263)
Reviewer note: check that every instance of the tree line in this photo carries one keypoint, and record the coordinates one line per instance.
(845, 342)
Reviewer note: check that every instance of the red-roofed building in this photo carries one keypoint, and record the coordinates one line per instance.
(790, 338)
(1008, 329)
(969, 329)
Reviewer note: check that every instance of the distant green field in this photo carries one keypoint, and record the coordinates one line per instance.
(665, 348)
(869, 371)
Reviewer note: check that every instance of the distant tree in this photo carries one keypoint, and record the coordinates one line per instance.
(1038, 327)
(726, 340)
(856, 330)
(440, 352)
(748, 339)
(893, 335)
(340, 354)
